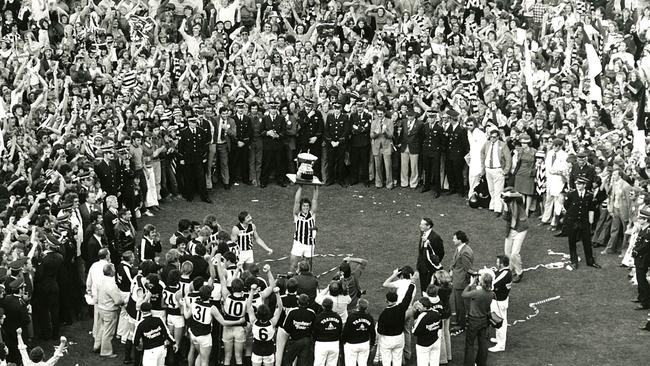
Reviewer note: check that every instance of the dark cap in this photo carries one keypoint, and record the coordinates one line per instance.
(644, 213)
(582, 179)
(18, 263)
(145, 307)
(582, 154)
(15, 283)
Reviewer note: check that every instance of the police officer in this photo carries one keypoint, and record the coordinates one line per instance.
(310, 133)
(457, 148)
(193, 148)
(125, 184)
(154, 336)
(336, 132)
(16, 316)
(124, 233)
(107, 170)
(360, 122)
(433, 145)
(239, 151)
(274, 129)
(579, 208)
(641, 254)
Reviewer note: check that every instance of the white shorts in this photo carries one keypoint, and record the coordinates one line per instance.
(176, 321)
(302, 250)
(201, 341)
(246, 256)
(235, 333)
(159, 314)
(154, 356)
(263, 359)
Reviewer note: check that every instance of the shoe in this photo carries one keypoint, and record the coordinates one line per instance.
(226, 186)
(496, 349)
(572, 266)
(425, 189)
(635, 300)
(645, 327)
(127, 362)
(96, 350)
(188, 199)
(207, 200)
(542, 223)
(262, 185)
(112, 355)
(282, 184)
(149, 213)
(642, 307)
(595, 265)
(493, 340)
(436, 195)
(559, 234)
(498, 214)
(235, 184)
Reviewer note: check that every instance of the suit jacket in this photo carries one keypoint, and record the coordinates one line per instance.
(337, 129)
(107, 174)
(244, 128)
(461, 264)
(434, 139)
(430, 252)
(505, 159)
(110, 220)
(360, 129)
(277, 124)
(85, 215)
(382, 142)
(310, 125)
(193, 147)
(411, 138)
(457, 142)
(228, 130)
(90, 251)
(577, 209)
(16, 314)
(48, 272)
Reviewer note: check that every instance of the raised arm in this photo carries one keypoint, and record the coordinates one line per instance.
(249, 305)
(314, 200)
(296, 200)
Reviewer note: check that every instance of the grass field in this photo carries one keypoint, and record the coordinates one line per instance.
(593, 323)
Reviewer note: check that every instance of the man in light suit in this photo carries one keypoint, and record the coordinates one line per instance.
(224, 130)
(461, 266)
(556, 173)
(430, 253)
(381, 135)
(496, 161)
(410, 142)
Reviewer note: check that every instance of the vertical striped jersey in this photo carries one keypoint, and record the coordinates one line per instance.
(245, 237)
(304, 224)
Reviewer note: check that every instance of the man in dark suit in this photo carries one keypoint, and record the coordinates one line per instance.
(95, 242)
(16, 316)
(109, 222)
(126, 185)
(310, 133)
(579, 206)
(430, 253)
(584, 169)
(433, 146)
(107, 171)
(193, 149)
(336, 132)
(241, 145)
(360, 121)
(461, 266)
(274, 128)
(46, 293)
(410, 141)
(457, 148)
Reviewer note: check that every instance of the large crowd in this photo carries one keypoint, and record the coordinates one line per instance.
(111, 110)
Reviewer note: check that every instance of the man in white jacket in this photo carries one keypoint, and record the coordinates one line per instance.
(477, 139)
(557, 170)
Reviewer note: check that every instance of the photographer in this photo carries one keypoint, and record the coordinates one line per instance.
(502, 284)
(517, 227)
(480, 296)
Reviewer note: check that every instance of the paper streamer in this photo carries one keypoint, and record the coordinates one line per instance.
(328, 255)
(533, 306)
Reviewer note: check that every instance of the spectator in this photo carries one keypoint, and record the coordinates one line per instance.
(480, 296)
(390, 326)
(109, 301)
(461, 265)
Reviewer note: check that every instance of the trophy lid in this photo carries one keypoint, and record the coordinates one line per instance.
(307, 158)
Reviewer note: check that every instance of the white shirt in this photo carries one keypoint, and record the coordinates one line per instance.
(95, 275)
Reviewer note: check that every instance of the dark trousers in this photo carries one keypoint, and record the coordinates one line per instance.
(142, 185)
(425, 276)
(454, 169)
(47, 313)
(643, 287)
(359, 160)
(460, 306)
(290, 155)
(273, 161)
(476, 337)
(300, 349)
(168, 185)
(195, 180)
(239, 163)
(582, 233)
(431, 167)
(336, 168)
